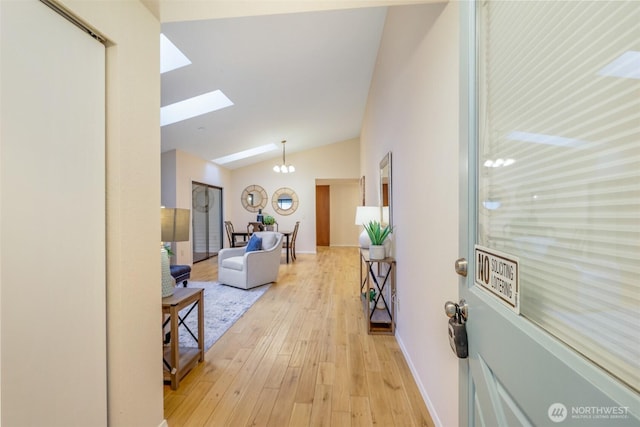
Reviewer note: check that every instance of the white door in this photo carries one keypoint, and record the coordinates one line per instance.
(52, 220)
(553, 188)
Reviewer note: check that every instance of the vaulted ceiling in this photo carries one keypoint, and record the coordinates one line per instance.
(302, 77)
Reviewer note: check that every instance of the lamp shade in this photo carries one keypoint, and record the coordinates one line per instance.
(174, 224)
(365, 214)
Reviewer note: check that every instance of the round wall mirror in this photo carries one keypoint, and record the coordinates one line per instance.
(254, 198)
(284, 201)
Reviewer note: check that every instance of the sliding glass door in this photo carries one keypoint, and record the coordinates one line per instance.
(207, 220)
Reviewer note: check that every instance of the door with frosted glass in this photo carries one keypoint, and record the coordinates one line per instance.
(207, 221)
(553, 197)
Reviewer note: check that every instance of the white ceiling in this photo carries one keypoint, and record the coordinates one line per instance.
(303, 77)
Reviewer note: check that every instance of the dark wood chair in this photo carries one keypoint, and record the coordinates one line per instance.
(252, 227)
(291, 247)
(232, 234)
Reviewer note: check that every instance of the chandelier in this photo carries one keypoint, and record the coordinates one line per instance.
(283, 168)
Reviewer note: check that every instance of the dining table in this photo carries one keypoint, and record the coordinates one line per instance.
(236, 234)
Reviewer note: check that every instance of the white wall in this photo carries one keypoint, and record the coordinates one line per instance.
(334, 161)
(412, 111)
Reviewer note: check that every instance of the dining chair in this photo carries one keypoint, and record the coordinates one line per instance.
(291, 247)
(228, 225)
(254, 227)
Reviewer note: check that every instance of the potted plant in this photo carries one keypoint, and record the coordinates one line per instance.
(372, 298)
(268, 221)
(377, 234)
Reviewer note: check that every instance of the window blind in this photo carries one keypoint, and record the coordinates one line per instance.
(559, 183)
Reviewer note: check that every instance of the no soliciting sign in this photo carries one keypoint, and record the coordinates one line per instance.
(497, 272)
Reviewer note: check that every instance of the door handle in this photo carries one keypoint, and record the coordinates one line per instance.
(451, 309)
(461, 266)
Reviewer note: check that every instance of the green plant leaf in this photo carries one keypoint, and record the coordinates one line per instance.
(377, 233)
(268, 220)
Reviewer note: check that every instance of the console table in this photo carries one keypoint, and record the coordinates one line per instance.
(178, 361)
(378, 275)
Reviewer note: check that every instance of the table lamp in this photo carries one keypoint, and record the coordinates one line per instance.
(174, 226)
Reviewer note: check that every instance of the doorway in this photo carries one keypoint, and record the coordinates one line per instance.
(323, 215)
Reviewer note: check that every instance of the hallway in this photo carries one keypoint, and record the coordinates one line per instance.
(300, 357)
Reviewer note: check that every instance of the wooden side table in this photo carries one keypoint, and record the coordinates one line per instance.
(380, 318)
(178, 361)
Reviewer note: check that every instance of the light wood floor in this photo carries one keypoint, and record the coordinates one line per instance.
(300, 357)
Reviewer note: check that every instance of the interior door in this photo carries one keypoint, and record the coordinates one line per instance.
(323, 215)
(552, 145)
(52, 220)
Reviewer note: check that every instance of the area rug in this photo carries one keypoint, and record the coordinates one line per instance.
(223, 306)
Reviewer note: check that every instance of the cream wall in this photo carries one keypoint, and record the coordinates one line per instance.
(412, 111)
(345, 197)
(179, 170)
(134, 346)
(337, 161)
(185, 10)
(334, 164)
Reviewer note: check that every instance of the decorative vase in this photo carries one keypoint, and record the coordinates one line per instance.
(376, 252)
(269, 227)
(168, 282)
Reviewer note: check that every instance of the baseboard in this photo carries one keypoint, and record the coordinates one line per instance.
(423, 393)
(164, 423)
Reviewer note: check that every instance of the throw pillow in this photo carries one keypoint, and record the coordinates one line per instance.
(255, 244)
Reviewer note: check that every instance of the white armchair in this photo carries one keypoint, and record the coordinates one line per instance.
(245, 270)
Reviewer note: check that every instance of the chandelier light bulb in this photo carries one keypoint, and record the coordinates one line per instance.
(283, 168)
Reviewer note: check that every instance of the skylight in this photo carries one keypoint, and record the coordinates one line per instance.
(193, 107)
(245, 154)
(170, 56)
(626, 65)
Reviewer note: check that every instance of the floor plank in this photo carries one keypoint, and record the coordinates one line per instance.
(300, 356)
